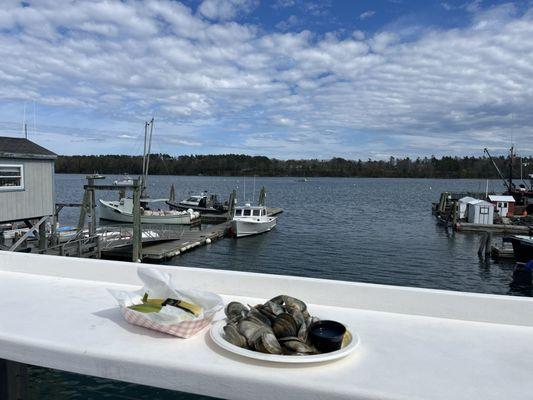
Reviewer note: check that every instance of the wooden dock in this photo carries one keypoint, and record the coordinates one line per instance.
(497, 228)
(218, 226)
(162, 250)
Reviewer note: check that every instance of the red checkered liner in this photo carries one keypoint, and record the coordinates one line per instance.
(183, 329)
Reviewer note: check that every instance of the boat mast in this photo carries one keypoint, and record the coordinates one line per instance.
(497, 169)
(148, 130)
(253, 193)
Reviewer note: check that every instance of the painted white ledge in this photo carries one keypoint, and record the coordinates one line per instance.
(415, 343)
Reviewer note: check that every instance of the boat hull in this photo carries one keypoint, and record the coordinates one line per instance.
(248, 228)
(523, 249)
(110, 213)
(203, 210)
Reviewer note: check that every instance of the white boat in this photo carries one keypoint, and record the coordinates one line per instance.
(122, 211)
(125, 181)
(203, 203)
(251, 220)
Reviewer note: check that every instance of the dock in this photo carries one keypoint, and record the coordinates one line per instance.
(162, 250)
(189, 239)
(496, 228)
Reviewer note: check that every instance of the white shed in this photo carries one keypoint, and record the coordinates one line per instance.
(463, 205)
(504, 204)
(480, 212)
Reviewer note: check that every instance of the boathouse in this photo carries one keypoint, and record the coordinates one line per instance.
(26, 183)
(504, 204)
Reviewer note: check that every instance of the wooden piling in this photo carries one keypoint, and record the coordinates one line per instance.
(137, 234)
(13, 380)
(482, 243)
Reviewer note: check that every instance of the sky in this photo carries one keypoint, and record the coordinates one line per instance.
(283, 78)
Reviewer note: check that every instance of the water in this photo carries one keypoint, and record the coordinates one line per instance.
(366, 230)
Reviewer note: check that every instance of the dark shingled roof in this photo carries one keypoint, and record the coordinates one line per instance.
(11, 147)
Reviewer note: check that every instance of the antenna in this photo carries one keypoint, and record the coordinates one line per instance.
(25, 130)
(34, 124)
(253, 193)
(24, 122)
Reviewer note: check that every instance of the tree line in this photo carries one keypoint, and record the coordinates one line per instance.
(240, 164)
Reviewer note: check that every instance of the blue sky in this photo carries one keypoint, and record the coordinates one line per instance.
(282, 78)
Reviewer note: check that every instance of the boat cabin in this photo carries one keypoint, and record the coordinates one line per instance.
(251, 211)
(197, 200)
(504, 204)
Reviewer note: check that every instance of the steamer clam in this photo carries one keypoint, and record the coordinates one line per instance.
(279, 326)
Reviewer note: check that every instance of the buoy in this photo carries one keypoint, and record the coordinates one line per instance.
(208, 241)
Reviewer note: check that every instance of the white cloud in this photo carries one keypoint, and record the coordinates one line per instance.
(289, 23)
(283, 4)
(226, 9)
(367, 14)
(121, 61)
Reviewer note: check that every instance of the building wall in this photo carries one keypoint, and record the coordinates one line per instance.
(37, 197)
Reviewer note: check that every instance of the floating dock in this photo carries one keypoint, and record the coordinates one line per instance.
(188, 240)
(497, 228)
(499, 252)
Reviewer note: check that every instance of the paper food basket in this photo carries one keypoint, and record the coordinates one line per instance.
(171, 320)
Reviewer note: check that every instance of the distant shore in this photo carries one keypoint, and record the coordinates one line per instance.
(229, 165)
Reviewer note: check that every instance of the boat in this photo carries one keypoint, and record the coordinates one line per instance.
(523, 247)
(122, 211)
(125, 181)
(203, 203)
(251, 220)
(523, 193)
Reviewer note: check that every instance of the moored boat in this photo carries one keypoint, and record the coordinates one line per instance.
(523, 247)
(122, 211)
(251, 220)
(203, 203)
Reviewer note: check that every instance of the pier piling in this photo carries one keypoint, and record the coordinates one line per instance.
(13, 380)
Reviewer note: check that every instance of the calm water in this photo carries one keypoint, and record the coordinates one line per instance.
(367, 230)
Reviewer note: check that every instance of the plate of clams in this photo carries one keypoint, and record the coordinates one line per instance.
(282, 330)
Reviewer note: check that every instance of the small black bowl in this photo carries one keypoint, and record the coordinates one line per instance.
(327, 335)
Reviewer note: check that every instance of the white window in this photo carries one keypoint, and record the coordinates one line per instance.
(483, 210)
(11, 176)
(256, 213)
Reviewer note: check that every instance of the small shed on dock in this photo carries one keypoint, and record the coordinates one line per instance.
(480, 212)
(463, 205)
(26, 183)
(504, 204)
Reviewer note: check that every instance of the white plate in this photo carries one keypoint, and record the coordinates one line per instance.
(217, 334)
